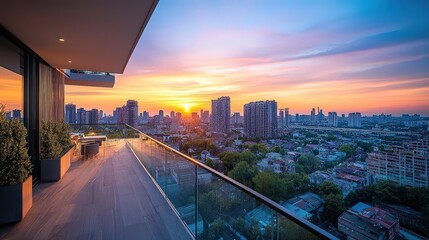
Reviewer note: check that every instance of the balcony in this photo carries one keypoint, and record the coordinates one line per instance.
(139, 188)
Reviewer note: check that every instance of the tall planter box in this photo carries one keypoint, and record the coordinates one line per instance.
(53, 169)
(16, 201)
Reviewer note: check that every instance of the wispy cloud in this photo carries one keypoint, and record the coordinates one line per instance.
(343, 56)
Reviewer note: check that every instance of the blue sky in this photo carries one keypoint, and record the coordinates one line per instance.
(344, 56)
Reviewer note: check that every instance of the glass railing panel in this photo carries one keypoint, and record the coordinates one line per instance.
(180, 187)
(287, 229)
(212, 205)
(227, 212)
(174, 175)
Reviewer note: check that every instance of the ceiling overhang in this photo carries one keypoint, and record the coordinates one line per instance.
(99, 35)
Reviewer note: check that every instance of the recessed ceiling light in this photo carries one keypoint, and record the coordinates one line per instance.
(61, 39)
(70, 61)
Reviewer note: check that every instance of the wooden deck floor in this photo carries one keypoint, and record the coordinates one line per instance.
(110, 197)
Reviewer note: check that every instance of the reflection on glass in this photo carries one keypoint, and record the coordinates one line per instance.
(12, 93)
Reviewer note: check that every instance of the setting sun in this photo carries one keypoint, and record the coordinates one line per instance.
(187, 106)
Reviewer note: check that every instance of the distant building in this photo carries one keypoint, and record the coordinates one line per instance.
(281, 123)
(117, 113)
(145, 116)
(92, 116)
(100, 114)
(205, 116)
(131, 113)
(405, 165)
(320, 115)
(332, 119)
(172, 115)
(313, 116)
(179, 116)
(236, 118)
(195, 117)
(260, 119)
(287, 118)
(70, 113)
(365, 222)
(16, 114)
(81, 116)
(161, 115)
(221, 115)
(355, 120)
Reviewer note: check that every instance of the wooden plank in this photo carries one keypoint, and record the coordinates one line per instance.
(108, 197)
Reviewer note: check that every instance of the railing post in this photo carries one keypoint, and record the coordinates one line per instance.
(196, 202)
(165, 171)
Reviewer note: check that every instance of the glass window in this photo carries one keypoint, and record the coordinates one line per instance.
(11, 79)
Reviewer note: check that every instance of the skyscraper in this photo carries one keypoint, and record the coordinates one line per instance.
(145, 116)
(221, 115)
(281, 122)
(161, 115)
(313, 116)
(332, 119)
(132, 113)
(81, 115)
(355, 120)
(205, 118)
(287, 119)
(100, 114)
(260, 119)
(92, 116)
(172, 115)
(117, 115)
(70, 113)
(236, 118)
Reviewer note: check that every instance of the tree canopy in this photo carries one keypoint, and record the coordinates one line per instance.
(328, 187)
(244, 173)
(333, 207)
(307, 164)
(347, 149)
(230, 159)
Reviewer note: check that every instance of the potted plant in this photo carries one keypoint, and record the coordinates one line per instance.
(55, 150)
(16, 182)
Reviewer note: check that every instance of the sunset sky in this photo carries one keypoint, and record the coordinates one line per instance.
(344, 56)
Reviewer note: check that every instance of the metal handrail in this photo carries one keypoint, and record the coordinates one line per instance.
(267, 201)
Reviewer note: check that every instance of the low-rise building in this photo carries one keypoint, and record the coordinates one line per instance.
(363, 221)
(307, 205)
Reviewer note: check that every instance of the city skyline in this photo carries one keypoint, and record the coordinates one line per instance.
(370, 57)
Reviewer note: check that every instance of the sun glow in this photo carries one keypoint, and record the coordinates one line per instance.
(187, 107)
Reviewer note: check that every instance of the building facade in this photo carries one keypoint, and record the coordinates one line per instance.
(313, 116)
(220, 121)
(332, 119)
(260, 119)
(70, 113)
(355, 120)
(132, 113)
(405, 165)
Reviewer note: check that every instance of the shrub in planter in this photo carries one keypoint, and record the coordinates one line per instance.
(55, 150)
(15, 169)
